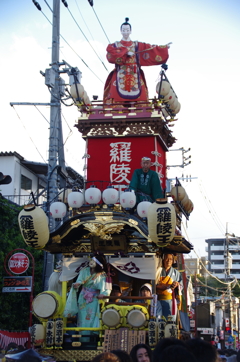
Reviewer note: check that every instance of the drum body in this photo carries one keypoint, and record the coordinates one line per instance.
(112, 317)
(137, 317)
(47, 305)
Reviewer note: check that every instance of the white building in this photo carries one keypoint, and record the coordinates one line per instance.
(27, 177)
(216, 249)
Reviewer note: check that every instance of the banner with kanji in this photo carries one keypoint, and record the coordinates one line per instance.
(114, 159)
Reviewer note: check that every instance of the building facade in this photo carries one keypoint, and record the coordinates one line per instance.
(216, 250)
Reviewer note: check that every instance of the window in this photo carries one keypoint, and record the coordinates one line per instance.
(26, 183)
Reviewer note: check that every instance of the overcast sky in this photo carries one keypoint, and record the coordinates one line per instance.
(203, 70)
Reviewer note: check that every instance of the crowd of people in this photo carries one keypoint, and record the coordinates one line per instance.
(172, 350)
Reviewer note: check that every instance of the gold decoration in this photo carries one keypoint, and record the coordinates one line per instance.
(56, 239)
(102, 230)
(134, 222)
(75, 222)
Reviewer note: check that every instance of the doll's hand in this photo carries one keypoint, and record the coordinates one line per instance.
(76, 285)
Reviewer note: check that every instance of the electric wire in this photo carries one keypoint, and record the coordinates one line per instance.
(87, 39)
(71, 47)
(84, 20)
(41, 114)
(100, 24)
(29, 135)
(208, 272)
(211, 209)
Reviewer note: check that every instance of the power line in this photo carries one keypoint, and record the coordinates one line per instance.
(211, 209)
(84, 35)
(84, 20)
(39, 8)
(100, 23)
(29, 136)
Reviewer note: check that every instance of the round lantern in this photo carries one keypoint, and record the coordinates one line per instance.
(189, 206)
(76, 91)
(142, 208)
(75, 199)
(110, 196)
(178, 193)
(63, 195)
(128, 199)
(161, 222)
(170, 97)
(92, 195)
(86, 99)
(165, 88)
(184, 201)
(177, 110)
(174, 105)
(58, 210)
(33, 224)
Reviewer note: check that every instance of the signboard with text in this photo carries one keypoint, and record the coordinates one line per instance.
(114, 159)
(18, 263)
(17, 284)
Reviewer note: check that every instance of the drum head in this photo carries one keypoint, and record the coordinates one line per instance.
(45, 305)
(111, 317)
(136, 318)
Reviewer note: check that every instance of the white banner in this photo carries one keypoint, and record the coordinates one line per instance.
(137, 267)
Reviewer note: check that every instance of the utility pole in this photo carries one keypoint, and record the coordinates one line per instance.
(56, 152)
(228, 266)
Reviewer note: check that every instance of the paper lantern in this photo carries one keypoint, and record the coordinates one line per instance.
(110, 196)
(170, 96)
(189, 206)
(165, 88)
(174, 104)
(184, 201)
(58, 332)
(50, 333)
(75, 199)
(128, 199)
(177, 110)
(33, 224)
(58, 210)
(178, 193)
(73, 91)
(142, 208)
(161, 222)
(92, 195)
(63, 195)
(37, 335)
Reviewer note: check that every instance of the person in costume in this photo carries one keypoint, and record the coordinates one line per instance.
(93, 281)
(146, 183)
(127, 81)
(169, 288)
(146, 291)
(116, 292)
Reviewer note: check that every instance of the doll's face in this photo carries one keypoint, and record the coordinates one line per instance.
(125, 31)
(92, 264)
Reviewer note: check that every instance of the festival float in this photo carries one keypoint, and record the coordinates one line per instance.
(105, 219)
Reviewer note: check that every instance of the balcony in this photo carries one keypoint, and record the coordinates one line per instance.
(217, 257)
(218, 266)
(218, 247)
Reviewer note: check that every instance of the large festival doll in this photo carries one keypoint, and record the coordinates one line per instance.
(127, 82)
(93, 281)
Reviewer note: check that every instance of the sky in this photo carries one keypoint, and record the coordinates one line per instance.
(203, 68)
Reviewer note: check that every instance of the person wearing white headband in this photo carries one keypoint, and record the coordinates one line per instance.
(93, 281)
(146, 183)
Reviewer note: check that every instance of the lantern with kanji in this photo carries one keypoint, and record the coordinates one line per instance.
(33, 224)
(161, 222)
